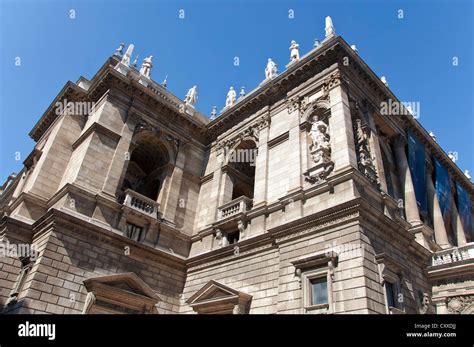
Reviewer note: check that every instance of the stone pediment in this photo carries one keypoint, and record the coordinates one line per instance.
(215, 297)
(126, 293)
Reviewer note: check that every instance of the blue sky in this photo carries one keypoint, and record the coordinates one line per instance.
(414, 53)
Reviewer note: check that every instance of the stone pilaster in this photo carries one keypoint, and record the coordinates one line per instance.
(121, 156)
(215, 187)
(294, 143)
(342, 138)
(261, 168)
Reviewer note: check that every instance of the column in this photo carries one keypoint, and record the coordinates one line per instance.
(377, 153)
(441, 236)
(172, 195)
(457, 224)
(408, 190)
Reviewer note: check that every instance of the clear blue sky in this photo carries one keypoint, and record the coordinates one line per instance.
(414, 53)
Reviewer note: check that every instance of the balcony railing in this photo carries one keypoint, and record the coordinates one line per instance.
(453, 255)
(240, 205)
(141, 203)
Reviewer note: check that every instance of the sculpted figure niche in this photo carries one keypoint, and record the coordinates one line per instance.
(365, 159)
(320, 150)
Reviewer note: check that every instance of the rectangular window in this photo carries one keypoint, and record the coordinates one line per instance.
(25, 269)
(319, 291)
(134, 232)
(391, 293)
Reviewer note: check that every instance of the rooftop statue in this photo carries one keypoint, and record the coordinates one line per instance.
(271, 70)
(231, 95)
(191, 96)
(146, 67)
(294, 52)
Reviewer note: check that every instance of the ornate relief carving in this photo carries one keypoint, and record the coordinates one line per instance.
(252, 132)
(333, 80)
(365, 159)
(458, 304)
(263, 122)
(142, 126)
(425, 304)
(219, 237)
(242, 226)
(298, 103)
(293, 104)
(320, 151)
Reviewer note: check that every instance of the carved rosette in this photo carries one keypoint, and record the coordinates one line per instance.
(458, 304)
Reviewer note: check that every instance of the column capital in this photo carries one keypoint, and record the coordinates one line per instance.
(429, 167)
(398, 141)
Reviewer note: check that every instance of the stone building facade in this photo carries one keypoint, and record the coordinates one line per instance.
(297, 198)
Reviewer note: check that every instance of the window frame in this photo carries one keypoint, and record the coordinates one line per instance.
(130, 235)
(306, 278)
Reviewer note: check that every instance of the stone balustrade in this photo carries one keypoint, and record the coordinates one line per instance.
(240, 205)
(141, 203)
(453, 255)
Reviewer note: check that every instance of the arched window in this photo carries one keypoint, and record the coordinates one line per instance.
(242, 159)
(148, 165)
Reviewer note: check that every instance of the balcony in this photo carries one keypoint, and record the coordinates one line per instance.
(452, 262)
(235, 207)
(453, 255)
(140, 203)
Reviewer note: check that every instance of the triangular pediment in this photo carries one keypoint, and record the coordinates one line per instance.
(126, 282)
(214, 292)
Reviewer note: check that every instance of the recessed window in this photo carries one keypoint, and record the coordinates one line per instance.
(134, 232)
(391, 292)
(319, 291)
(233, 237)
(25, 269)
